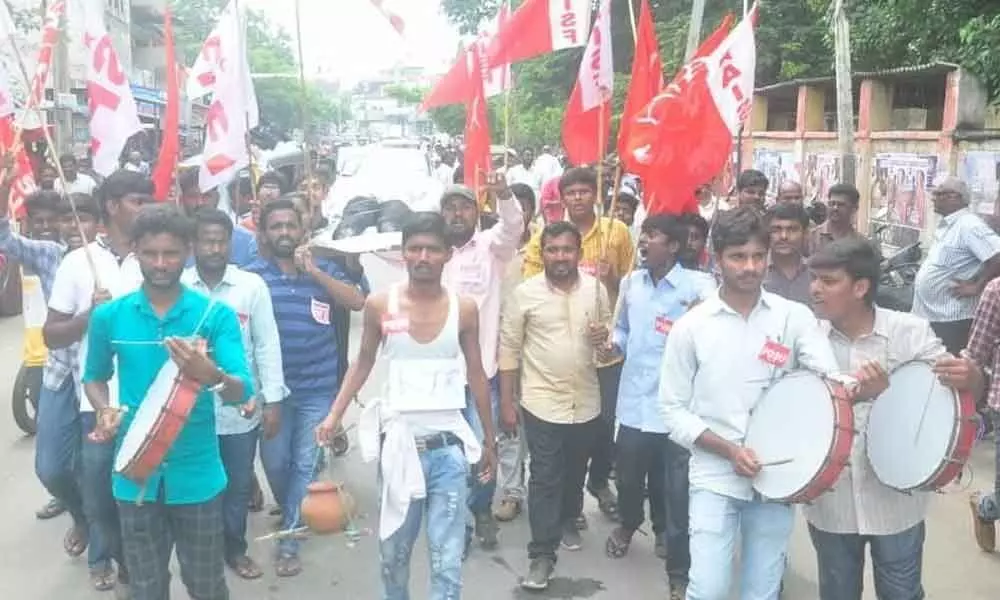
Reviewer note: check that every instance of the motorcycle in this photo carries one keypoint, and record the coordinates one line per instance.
(27, 386)
(898, 273)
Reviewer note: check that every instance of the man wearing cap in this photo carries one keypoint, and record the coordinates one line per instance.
(476, 269)
(963, 258)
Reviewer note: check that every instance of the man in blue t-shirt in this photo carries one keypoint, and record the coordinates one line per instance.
(306, 293)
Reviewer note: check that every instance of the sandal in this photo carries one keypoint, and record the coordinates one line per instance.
(75, 541)
(607, 502)
(245, 567)
(103, 578)
(287, 565)
(53, 509)
(618, 543)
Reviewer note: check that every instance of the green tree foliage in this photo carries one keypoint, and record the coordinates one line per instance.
(793, 40)
(271, 50)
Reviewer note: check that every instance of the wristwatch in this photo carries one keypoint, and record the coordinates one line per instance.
(219, 387)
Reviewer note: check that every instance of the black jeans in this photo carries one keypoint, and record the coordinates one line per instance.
(555, 482)
(954, 334)
(641, 464)
(603, 452)
(676, 490)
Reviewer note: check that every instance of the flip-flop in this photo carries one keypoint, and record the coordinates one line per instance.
(617, 546)
(287, 565)
(51, 510)
(104, 578)
(75, 541)
(245, 567)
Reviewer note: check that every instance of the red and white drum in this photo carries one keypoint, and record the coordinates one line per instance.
(920, 431)
(801, 430)
(157, 423)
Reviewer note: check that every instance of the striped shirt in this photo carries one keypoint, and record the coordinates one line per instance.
(984, 337)
(859, 503)
(962, 243)
(305, 314)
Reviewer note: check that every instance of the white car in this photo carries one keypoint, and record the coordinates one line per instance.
(385, 173)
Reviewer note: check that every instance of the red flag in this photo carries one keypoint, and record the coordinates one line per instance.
(389, 12)
(453, 88)
(587, 123)
(476, 162)
(539, 27)
(647, 77)
(167, 163)
(684, 136)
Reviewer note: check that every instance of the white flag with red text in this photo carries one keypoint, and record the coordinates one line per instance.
(6, 97)
(233, 111)
(499, 79)
(538, 27)
(113, 114)
(587, 122)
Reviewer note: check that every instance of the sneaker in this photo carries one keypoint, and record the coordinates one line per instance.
(678, 591)
(508, 510)
(539, 574)
(986, 534)
(486, 531)
(571, 539)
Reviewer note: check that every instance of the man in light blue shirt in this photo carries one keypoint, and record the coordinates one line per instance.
(239, 427)
(652, 299)
(717, 363)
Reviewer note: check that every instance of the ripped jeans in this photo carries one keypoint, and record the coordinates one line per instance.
(446, 476)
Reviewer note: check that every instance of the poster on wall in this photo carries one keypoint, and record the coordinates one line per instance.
(778, 166)
(981, 170)
(901, 188)
(822, 171)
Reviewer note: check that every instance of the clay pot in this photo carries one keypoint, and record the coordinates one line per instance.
(327, 508)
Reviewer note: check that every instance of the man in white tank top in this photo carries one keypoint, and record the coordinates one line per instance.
(430, 338)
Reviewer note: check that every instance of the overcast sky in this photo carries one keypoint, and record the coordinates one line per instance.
(348, 39)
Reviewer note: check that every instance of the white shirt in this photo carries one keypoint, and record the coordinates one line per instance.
(859, 503)
(546, 167)
(83, 184)
(519, 174)
(708, 212)
(73, 294)
(712, 376)
(445, 174)
(248, 295)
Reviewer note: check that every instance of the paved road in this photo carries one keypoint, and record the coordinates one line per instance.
(35, 568)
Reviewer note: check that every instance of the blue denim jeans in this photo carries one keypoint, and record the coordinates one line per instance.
(291, 459)
(481, 494)
(238, 452)
(717, 522)
(896, 564)
(96, 463)
(57, 445)
(445, 474)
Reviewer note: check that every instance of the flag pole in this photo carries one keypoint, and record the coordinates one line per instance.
(631, 21)
(50, 145)
(304, 97)
(600, 205)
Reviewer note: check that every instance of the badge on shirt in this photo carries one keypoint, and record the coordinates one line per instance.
(320, 311)
(774, 353)
(395, 324)
(663, 324)
(244, 320)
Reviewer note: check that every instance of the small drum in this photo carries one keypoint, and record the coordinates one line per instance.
(802, 430)
(920, 432)
(157, 423)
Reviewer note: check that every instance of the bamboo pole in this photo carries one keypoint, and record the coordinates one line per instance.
(304, 96)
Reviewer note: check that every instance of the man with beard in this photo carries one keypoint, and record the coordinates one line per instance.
(478, 262)
(180, 504)
(239, 428)
(243, 245)
(523, 172)
(39, 255)
(76, 182)
(608, 254)
(842, 204)
(787, 272)
(428, 336)
(76, 290)
(548, 350)
(305, 292)
(709, 385)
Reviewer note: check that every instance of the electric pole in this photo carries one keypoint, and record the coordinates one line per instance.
(845, 93)
(62, 115)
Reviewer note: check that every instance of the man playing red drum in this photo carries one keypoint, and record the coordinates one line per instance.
(861, 510)
(181, 501)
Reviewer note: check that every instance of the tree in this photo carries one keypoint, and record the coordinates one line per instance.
(270, 51)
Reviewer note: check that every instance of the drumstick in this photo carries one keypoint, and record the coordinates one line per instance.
(923, 412)
(776, 463)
